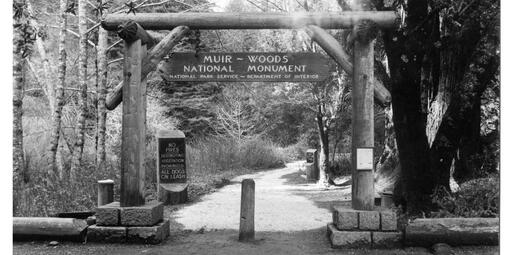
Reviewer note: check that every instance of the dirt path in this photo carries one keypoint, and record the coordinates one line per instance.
(283, 202)
(290, 218)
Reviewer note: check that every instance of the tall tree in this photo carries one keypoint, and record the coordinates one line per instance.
(48, 84)
(82, 72)
(59, 99)
(102, 66)
(429, 56)
(22, 40)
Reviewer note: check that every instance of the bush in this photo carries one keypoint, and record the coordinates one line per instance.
(341, 166)
(296, 151)
(258, 153)
(475, 198)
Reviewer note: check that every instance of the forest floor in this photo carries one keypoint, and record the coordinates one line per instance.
(290, 218)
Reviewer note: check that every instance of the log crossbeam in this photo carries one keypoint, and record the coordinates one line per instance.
(149, 62)
(257, 20)
(333, 48)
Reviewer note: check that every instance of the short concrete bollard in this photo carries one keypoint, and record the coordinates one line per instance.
(247, 221)
(104, 192)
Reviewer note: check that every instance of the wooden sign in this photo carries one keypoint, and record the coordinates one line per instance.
(245, 66)
(171, 157)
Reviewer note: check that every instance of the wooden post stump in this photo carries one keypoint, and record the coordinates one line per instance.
(104, 192)
(247, 221)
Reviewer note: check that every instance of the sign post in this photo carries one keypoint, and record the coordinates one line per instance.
(172, 176)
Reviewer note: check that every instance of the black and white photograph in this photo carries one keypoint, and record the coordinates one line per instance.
(253, 127)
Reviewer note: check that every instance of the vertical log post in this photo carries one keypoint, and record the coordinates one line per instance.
(104, 192)
(247, 221)
(133, 126)
(363, 114)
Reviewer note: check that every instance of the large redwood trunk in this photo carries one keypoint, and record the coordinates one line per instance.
(405, 54)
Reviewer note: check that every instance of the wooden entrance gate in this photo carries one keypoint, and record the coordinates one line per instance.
(142, 53)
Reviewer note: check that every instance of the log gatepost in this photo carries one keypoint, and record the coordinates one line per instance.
(133, 117)
(362, 152)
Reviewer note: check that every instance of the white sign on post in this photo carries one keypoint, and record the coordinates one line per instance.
(364, 158)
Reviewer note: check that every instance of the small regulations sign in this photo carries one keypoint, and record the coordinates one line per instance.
(364, 158)
(171, 157)
(245, 66)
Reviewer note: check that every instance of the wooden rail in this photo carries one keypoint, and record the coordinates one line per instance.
(257, 20)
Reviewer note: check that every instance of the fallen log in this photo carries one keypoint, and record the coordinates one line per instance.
(333, 48)
(452, 231)
(49, 228)
(150, 62)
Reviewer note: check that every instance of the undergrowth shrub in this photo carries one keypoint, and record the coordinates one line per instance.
(257, 153)
(342, 165)
(475, 198)
(296, 151)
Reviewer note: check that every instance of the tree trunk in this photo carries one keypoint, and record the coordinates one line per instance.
(17, 105)
(82, 72)
(59, 100)
(49, 87)
(388, 165)
(324, 151)
(102, 45)
(416, 182)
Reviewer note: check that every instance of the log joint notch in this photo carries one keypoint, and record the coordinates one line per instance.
(365, 31)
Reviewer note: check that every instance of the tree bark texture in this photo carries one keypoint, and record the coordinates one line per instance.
(82, 103)
(133, 127)
(17, 105)
(59, 96)
(324, 150)
(49, 87)
(428, 68)
(102, 60)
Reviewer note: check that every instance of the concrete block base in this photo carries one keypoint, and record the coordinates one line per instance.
(106, 234)
(345, 219)
(378, 220)
(108, 215)
(149, 235)
(369, 220)
(348, 239)
(363, 239)
(145, 215)
(387, 239)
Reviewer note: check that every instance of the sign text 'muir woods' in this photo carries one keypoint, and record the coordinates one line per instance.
(244, 66)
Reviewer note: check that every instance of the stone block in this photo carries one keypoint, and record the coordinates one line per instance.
(386, 239)
(149, 235)
(345, 218)
(388, 221)
(348, 239)
(144, 215)
(106, 234)
(108, 215)
(369, 220)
